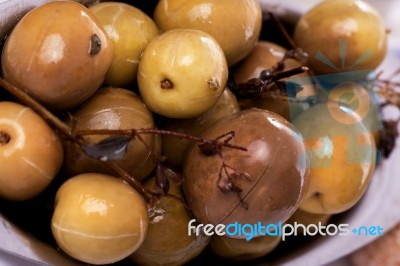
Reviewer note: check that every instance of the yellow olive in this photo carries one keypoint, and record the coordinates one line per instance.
(175, 148)
(266, 55)
(113, 108)
(99, 219)
(31, 153)
(242, 249)
(235, 24)
(129, 30)
(343, 157)
(58, 54)
(305, 218)
(342, 35)
(182, 73)
(167, 241)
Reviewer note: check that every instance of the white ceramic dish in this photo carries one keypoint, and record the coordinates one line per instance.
(378, 206)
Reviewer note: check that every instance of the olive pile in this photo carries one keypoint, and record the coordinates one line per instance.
(143, 121)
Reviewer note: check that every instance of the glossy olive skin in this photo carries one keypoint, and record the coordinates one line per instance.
(175, 148)
(266, 55)
(356, 23)
(182, 73)
(306, 218)
(99, 219)
(113, 108)
(167, 241)
(235, 24)
(31, 153)
(241, 249)
(129, 30)
(275, 160)
(64, 65)
(342, 158)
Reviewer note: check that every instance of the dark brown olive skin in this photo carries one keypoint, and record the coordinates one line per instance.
(276, 162)
(266, 55)
(113, 108)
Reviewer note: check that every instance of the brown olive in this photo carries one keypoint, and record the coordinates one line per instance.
(242, 249)
(174, 148)
(167, 241)
(113, 108)
(267, 55)
(235, 24)
(58, 54)
(275, 163)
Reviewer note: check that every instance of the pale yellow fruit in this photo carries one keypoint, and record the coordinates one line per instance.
(99, 219)
(182, 73)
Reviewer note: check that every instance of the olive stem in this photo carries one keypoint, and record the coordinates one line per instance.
(77, 137)
(134, 132)
(282, 29)
(147, 194)
(38, 108)
(288, 73)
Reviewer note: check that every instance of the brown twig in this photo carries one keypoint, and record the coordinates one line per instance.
(27, 100)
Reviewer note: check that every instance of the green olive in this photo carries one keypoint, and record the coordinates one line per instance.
(113, 108)
(99, 219)
(342, 35)
(129, 30)
(182, 73)
(235, 24)
(167, 241)
(57, 53)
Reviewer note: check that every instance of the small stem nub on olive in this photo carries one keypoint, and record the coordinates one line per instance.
(213, 84)
(167, 84)
(4, 138)
(95, 45)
